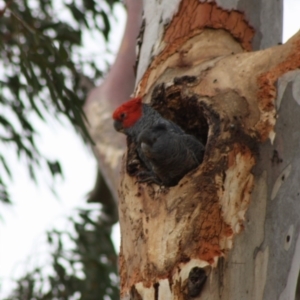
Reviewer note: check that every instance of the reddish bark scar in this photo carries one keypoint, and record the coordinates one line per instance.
(266, 83)
(191, 18)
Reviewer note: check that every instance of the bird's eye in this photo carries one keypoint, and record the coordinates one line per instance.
(123, 116)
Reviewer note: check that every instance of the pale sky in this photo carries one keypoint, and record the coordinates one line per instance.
(35, 208)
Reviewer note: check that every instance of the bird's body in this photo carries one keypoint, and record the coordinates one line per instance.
(170, 154)
(160, 143)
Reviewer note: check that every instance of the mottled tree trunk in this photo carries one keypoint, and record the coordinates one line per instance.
(229, 229)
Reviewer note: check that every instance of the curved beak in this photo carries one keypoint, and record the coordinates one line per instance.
(118, 126)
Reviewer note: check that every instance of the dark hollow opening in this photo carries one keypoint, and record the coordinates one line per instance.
(185, 111)
(196, 280)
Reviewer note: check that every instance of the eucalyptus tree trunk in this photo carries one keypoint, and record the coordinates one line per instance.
(230, 228)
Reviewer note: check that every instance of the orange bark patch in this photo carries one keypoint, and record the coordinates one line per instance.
(209, 252)
(267, 90)
(193, 15)
(191, 19)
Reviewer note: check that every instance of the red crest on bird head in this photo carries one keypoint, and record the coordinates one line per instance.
(129, 112)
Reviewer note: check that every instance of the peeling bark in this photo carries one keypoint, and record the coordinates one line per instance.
(203, 77)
